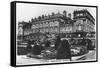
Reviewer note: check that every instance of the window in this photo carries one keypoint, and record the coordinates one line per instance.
(79, 27)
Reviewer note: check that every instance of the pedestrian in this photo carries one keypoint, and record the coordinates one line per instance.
(83, 42)
(63, 51)
(47, 42)
(57, 42)
(89, 44)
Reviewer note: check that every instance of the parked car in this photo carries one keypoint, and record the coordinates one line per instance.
(49, 53)
(77, 50)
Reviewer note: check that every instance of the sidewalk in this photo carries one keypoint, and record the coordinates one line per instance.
(24, 60)
(90, 55)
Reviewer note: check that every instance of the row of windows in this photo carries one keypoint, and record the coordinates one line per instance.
(62, 29)
(55, 23)
(79, 25)
(46, 30)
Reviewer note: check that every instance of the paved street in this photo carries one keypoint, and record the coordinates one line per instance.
(91, 55)
(23, 60)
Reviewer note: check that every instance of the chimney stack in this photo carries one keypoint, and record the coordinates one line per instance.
(69, 15)
(65, 13)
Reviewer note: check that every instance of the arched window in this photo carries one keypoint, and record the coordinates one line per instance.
(79, 26)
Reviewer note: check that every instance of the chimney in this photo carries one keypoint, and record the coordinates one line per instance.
(69, 15)
(65, 13)
(53, 13)
(42, 16)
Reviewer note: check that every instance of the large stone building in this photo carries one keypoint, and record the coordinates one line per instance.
(84, 22)
(24, 29)
(55, 23)
(81, 25)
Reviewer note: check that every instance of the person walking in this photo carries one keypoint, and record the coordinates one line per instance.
(47, 42)
(57, 42)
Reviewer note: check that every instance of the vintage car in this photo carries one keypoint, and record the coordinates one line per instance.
(78, 50)
(78, 47)
(49, 53)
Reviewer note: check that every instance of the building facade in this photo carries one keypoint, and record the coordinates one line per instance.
(54, 23)
(84, 21)
(82, 24)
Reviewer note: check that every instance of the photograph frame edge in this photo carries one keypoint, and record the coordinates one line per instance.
(13, 32)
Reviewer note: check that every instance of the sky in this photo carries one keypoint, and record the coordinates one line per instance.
(26, 11)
